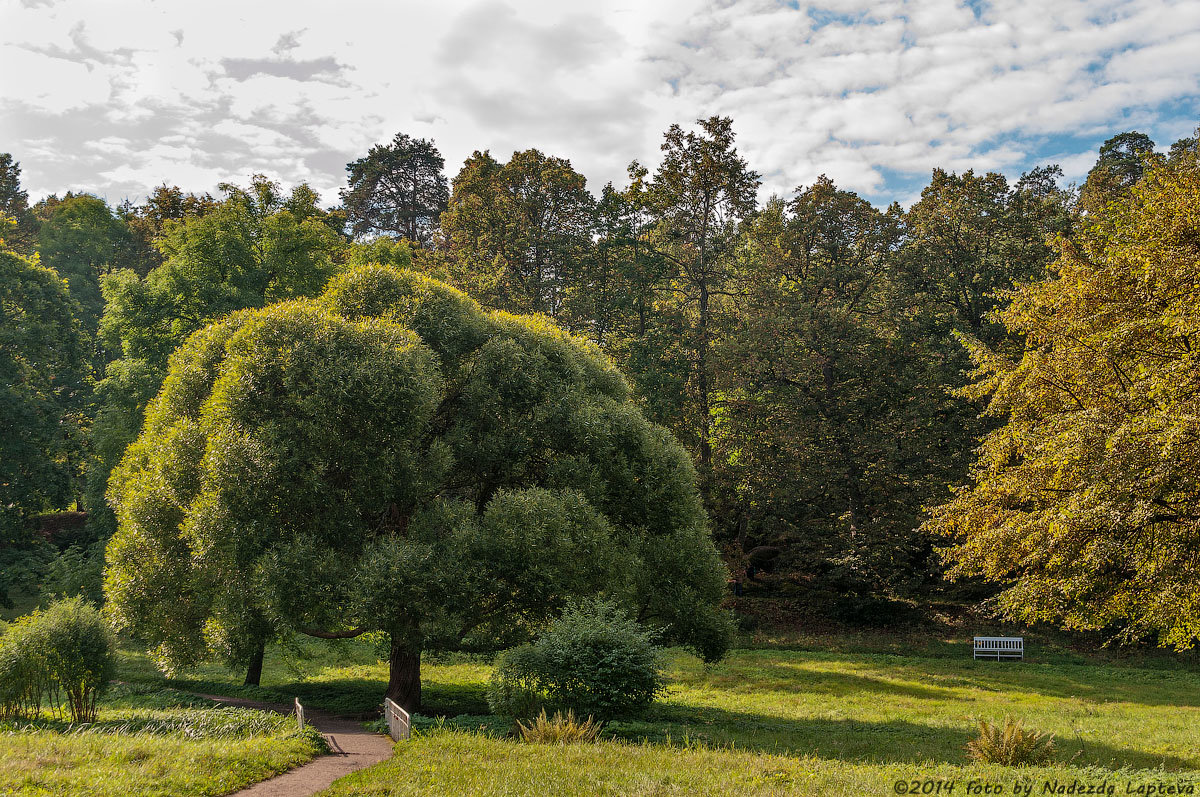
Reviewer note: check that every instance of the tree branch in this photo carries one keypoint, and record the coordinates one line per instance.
(332, 634)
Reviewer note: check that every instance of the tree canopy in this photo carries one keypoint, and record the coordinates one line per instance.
(520, 232)
(42, 371)
(807, 352)
(255, 246)
(698, 196)
(390, 457)
(396, 189)
(80, 239)
(1122, 162)
(1084, 503)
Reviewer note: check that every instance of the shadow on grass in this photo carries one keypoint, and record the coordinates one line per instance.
(355, 697)
(891, 742)
(939, 679)
(364, 696)
(1093, 683)
(784, 677)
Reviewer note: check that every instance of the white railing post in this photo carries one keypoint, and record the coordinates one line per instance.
(398, 720)
(299, 713)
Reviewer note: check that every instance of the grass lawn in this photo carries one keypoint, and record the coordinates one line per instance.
(822, 716)
(148, 741)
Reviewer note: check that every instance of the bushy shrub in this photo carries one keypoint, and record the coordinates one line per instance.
(79, 651)
(593, 660)
(1010, 744)
(25, 682)
(515, 688)
(65, 651)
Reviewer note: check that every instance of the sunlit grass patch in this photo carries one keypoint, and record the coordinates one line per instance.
(455, 762)
(100, 765)
(764, 721)
(151, 742)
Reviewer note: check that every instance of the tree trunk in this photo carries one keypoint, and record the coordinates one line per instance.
(254, 671)
(404, 673)
(702, 384)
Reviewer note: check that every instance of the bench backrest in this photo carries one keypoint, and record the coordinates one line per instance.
(999, 643)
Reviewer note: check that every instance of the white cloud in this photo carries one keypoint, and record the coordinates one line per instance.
(118, 97)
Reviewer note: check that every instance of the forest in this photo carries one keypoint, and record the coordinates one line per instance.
(988, 395)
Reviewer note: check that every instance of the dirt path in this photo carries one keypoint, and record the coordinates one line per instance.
(352, 748)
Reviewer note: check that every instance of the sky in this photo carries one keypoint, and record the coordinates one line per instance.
(115, 98)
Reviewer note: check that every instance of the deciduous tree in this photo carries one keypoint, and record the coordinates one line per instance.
(520, 233)
(1083, 504)
(255, 246)
(43, 367)
(699, 194)
(393, 458)
(973, 236)
(829, 431)
(80, 239)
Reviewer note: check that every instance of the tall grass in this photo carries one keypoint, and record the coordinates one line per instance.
(149, 741)
(559, 729)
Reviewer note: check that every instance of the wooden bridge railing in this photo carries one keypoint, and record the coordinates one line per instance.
(398, 720)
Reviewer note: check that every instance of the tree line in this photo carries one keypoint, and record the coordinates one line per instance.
(825, 362)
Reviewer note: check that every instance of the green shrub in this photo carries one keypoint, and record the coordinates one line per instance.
(65, 651)
(515, 688)
(1010, 745)
(592, 660)
(25, 682)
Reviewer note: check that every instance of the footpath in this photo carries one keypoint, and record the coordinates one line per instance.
(352, 747)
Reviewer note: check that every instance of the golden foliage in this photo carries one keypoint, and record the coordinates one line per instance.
(1086, 501)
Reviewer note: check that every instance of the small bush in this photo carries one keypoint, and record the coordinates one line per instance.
(593, 660)
(79, 652)
(1010, 745)
(559, 729)
(65, 651)
(25, 682)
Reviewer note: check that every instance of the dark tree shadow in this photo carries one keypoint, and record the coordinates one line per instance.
(939, 677)
(785, 678)
(891, 742)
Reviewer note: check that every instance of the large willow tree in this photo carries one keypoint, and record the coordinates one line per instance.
(1086, 502)
(390, 457)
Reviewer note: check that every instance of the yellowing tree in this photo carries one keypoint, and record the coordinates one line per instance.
(1086, 502)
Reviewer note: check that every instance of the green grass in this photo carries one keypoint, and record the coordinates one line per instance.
(839, 718)
(848, 714)
(149, 741)
(343, 676)
(458, 763)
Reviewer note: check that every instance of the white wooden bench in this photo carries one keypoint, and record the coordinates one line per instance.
(999, 647)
